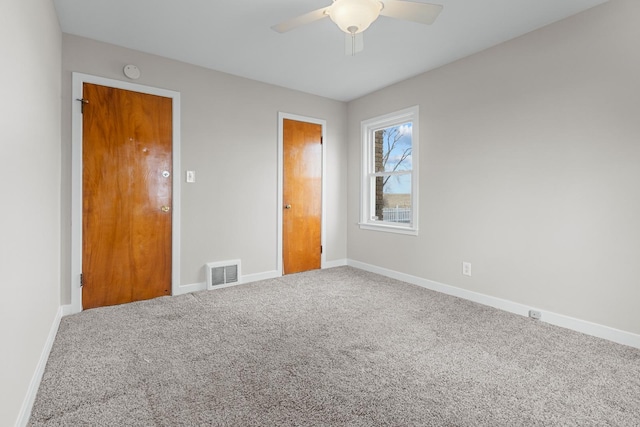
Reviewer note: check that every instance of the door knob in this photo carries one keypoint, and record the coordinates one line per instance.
(287, 206)
(165, 209)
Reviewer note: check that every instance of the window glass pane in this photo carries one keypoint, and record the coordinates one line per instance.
(393, 198)
(392, 151)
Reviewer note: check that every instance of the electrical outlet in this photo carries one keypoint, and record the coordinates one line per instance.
(535, 314)
(466, 268)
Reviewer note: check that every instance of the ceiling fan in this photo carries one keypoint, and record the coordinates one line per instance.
(355, 16)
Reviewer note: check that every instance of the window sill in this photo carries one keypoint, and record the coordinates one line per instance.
(389, 228)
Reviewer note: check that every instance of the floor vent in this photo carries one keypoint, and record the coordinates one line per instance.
(222, 273)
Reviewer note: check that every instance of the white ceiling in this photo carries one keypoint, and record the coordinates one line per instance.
(234, 36)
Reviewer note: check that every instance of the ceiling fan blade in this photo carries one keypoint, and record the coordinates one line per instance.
(423, 13)
(301, 20)
(353, 43)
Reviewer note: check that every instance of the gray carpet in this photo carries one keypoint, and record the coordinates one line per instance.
(338, 347)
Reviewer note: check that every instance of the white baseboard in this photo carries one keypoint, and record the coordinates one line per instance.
(260, 276)
(192, 287)
(67, 310)
(32, 391)
(583, 326)
(248, 278)
(335, 263)
(594, 329)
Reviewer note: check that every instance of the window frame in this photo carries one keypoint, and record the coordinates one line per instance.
(368, 129)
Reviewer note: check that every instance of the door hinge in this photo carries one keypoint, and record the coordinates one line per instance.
(81, 280)
(321, 140)
(320, 248)
(83, 102)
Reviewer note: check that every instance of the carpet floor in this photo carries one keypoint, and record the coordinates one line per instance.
(337, 347)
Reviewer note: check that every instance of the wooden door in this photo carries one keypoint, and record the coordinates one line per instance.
(126, 196)
(302, 196)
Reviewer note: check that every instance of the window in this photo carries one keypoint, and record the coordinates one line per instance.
(389, 192)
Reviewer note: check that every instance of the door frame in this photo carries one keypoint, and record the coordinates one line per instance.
(78, 79)
(281, 117)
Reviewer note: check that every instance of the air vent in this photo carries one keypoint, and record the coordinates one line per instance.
(222, 273)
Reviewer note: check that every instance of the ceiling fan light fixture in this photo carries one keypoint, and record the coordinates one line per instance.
(354, 16)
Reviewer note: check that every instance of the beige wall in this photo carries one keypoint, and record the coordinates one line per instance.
(530, 167)
(30, 42)
(229, 137)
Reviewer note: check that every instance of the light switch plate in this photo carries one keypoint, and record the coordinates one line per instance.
(191, 176)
